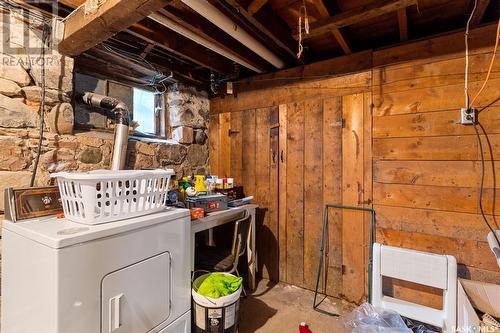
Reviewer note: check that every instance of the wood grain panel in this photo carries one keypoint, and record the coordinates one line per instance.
(214, 143)
(470, 253)
(433, 99)
(460, 148)
(224, 145)
(248, 152)
(353, 237)
(236, 137)
(295, 195)
(454, 199)
(332, 191)
(458, 173)
(267, 245)
(314, 89)
(433, 73)
(283, 179)
(313, 194)
(450, 148)
(466, 226)
(433, 124)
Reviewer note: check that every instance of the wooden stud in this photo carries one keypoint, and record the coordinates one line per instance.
(353, 229)
(295, 194)
(83, 31)
(480, 10)
(363, 13)
(403, 24)
(341, 40)
(272, 29)
(282, 198)
(332, 192)
(255, 5)
(164, 38)
(313, 194)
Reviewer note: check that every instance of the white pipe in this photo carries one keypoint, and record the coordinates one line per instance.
(215, 16)
(166, 22)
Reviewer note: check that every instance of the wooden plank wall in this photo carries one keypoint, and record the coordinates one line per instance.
(425, 166)
(239, 144)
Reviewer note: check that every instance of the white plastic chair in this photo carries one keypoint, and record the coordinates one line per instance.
(438, 271)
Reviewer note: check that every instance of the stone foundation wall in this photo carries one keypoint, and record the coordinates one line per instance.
(62, 149)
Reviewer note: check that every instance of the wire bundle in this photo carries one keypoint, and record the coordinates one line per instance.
(470, 105)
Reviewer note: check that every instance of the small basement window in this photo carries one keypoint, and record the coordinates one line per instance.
(146, 112)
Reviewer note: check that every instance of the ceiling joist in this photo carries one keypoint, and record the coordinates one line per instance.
(372, 10)
(480, 10)
(403, 24)
(181, 46)
(85, 30)
(201, 31)
(273, 30)
(255, 5)
(339, 37)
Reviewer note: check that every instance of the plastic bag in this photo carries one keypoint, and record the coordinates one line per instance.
(218, 285)
(368, 319)
(418, 327)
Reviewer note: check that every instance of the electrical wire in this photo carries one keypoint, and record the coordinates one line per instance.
(45, 37)
(466, 88)
(481, 185)
(491, 64)
(157, 82)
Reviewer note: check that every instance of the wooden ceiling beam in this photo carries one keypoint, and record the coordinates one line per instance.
(372, 10)
(83, 31)
(274, 30)
(155, 34)
(339, 37)
(341, 40)
(403, 24)
(255, 5)
(480, 10)
(193, 22)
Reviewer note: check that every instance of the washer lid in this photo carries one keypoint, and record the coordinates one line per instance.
(59, 233)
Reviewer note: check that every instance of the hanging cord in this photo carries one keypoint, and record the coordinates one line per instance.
(491, 64)
(466, 87)
(481, 186)
(45, 37)
(302, 12)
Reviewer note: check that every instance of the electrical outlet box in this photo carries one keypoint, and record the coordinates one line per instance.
(468, 116)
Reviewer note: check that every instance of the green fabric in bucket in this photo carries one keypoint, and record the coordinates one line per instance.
(217, 285)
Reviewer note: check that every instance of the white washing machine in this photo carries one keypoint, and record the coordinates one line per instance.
(129, 276)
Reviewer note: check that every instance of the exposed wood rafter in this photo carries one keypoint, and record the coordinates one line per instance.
(403, 24)
(83, 31)
(164, 38)
(341, 40)
(373, 9)
(255, 5)
(480, 10)
(205, 31)
(320, 6)
(272, 30)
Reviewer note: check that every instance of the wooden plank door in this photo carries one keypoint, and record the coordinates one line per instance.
(356, 191)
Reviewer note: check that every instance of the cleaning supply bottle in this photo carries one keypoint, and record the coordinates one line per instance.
(199, 184)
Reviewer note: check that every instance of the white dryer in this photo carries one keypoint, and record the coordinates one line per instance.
(129, 276)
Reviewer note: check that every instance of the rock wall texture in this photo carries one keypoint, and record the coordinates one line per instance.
(62, 149)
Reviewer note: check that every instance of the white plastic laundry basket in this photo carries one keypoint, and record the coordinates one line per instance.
(104, 196)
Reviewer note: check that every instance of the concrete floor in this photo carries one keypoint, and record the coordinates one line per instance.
(274, 308)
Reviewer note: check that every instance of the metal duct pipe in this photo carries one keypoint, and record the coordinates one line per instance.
(215, 16)
(166, 22)
(121, 113)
